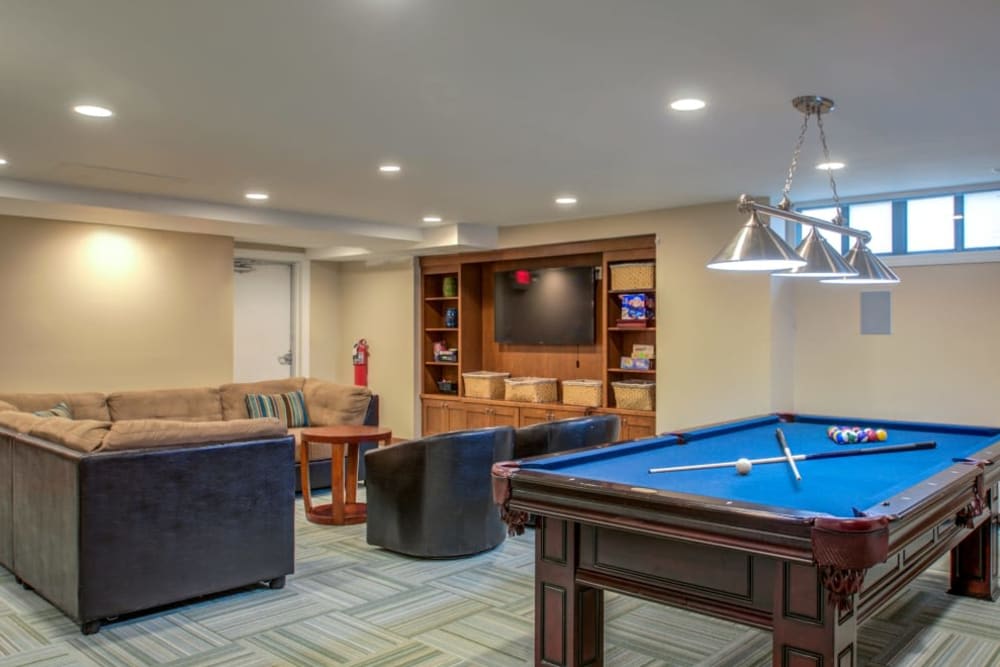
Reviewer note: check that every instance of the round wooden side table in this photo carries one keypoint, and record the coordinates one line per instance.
(343, 507)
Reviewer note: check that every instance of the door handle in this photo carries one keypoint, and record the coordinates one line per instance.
(285, 359)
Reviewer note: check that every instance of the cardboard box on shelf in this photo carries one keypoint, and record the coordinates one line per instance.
(640, 351)
(636, 364)
(637, 306)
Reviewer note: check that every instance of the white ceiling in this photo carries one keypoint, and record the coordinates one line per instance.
(493, 107)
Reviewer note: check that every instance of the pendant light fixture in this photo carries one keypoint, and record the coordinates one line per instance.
(757, 247)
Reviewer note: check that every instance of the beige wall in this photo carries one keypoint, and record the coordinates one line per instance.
(715, 330)
(378, 303)
(326, 345)
(941, 363)
(89, 307)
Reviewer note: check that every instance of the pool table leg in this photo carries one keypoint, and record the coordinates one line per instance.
(569, 617)
(809, 630)
(974, 571)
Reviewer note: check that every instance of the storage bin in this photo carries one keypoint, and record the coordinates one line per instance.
(530, 390)
(484, 384)
(582, 392)
(636, 363)
(447, 386)
(633, 275)
(635, 394)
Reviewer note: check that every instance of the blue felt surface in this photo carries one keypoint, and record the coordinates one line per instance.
(830, 486)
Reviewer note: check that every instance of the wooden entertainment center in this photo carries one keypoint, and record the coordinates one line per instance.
(464, 284)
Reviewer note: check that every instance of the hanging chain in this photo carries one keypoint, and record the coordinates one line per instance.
(785, 202)
(839, 218)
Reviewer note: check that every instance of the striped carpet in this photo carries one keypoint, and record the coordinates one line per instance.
(351, 604)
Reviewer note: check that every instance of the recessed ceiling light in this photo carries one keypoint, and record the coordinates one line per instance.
(93, 111)
(3, 162)
(432, 218)
(390, 168)
(565, 201)
(830, 166)
(257, 196)
(687, 104)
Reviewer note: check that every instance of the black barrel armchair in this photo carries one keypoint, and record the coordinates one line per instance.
(565, 434)
(433, 498)
(562, 435)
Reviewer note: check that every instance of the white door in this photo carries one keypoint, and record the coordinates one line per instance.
(262, 321)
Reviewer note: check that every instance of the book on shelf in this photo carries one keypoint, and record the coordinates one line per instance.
(635, 324)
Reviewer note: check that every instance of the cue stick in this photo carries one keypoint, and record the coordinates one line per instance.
(885, 449)
(788, 453)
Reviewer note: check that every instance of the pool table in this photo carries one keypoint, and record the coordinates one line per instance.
(808, 560)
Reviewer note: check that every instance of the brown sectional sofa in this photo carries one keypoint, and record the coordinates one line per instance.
(147, 498)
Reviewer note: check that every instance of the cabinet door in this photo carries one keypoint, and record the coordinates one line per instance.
(504, 416)
(531, 416)
(435, 417)
(443, 416)
(637, 427)
(458, 414)
(481, 416)
(478, 415)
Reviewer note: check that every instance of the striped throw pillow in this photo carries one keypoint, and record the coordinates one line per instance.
(61, 409)
(290, 408)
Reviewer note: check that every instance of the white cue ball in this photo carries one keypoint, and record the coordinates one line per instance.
(743, 466)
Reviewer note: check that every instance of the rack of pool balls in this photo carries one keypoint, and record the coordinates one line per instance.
(848, 435)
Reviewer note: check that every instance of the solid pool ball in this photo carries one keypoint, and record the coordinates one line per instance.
(881, 434)
(743, 466)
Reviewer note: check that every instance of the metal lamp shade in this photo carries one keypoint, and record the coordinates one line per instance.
(756, 248)
(871, 270)
(822, 261)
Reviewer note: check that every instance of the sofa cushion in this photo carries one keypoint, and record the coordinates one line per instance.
(197, 404)
(85, 405)
(330, 403)
(60, 409)
(233, 395)
(19, 421)
(83, 435)
(289, 408)
(147, 433)
(4, 406)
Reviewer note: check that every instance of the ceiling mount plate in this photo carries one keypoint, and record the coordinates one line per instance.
(813, 104)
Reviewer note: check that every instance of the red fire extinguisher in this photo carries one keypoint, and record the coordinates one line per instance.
(360, 359)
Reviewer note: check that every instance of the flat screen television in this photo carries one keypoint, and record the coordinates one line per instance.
(545, 306)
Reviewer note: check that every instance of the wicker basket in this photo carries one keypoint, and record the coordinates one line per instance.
(635, 275)
(484, 384)
(530, 390)
(582, 392)
(635, 394)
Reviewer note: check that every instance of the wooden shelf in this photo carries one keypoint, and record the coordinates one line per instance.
(475, 275)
